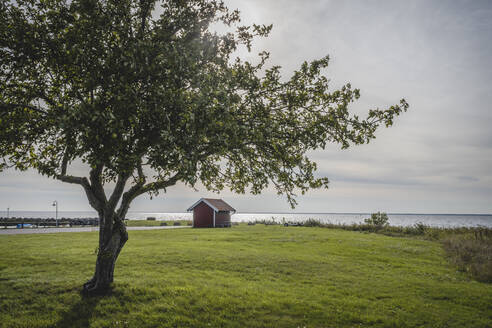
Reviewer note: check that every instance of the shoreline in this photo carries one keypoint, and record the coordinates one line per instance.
(400, 220)
(89, 213)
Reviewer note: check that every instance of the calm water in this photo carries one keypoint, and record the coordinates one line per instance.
(438, 220)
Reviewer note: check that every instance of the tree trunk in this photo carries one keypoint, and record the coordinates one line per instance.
(112, 238)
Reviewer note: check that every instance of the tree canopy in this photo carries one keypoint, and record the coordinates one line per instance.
(147, 95)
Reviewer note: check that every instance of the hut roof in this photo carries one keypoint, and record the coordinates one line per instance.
(217, 204)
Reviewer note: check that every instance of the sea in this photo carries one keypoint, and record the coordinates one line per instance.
(396, 219)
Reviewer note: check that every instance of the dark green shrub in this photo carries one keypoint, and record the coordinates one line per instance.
(312, 223)
(151, 218)
(378, 219)
(420, 228)
(163, 223)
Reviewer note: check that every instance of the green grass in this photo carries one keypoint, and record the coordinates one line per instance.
(469, 248)
(149, 223)
(142, 223)
(246, 276)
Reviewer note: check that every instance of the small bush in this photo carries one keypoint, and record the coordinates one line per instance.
(177, 223)
(151, 218)
(312, 223)
(420, 228)
(378, 219)
(163, 223)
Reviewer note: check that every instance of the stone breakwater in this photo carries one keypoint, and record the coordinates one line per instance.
(46, 222)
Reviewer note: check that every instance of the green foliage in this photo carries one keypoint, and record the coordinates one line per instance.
(420, 228)
(312, 223)
(378, 219)
(151, 100)
(246, 276)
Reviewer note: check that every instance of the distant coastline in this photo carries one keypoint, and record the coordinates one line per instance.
(396, 219)
(3, 213)
(366, 213)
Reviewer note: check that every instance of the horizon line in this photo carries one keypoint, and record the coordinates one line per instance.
(279, 212)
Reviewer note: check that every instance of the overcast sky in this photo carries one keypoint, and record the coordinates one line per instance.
(437, 158)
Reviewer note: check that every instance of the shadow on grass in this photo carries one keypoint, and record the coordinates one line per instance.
(83, 311)
(80, 313)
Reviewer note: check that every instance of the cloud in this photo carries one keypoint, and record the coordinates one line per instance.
(467, 178)
(436, 158)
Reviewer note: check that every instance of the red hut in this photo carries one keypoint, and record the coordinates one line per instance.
(211, 213)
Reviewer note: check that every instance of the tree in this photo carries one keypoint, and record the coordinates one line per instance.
(148, 101)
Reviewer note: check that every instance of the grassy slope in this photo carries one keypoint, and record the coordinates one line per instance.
(240, 277)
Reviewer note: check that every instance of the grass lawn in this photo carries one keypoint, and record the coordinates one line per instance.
(150, 223)
(142, 223)
(246, 276)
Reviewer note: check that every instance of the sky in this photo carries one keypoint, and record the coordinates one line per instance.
(437, 158)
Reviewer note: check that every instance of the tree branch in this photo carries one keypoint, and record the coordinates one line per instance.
(128, 197)
(93, 200)
(4, 106)
(161, 184)
(47, 99)
(141, 188)
(145, 6)
(96, 183)
(64, 162)
(118, 191)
